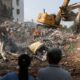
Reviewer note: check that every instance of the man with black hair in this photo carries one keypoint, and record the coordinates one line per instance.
(54, 70)
(24, 62)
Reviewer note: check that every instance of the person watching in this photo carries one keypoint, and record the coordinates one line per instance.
(54, 71)
(24, 62)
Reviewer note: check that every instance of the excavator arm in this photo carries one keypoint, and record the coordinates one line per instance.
(70, 14)
(65, 13)
(65, 3)
(62, 11)
(74, 6)
(52, 20)
(77, 19)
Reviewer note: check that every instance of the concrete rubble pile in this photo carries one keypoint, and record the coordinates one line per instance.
(20, 36)
(57, 38)
(15, 43)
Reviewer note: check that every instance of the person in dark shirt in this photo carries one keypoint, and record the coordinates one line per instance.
(24, 62)
(54, 70)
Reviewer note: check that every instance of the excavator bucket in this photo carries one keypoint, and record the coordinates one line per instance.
(38, 50)
(35, 46)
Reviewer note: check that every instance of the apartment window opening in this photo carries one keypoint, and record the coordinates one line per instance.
(17, 2)
(18, 11)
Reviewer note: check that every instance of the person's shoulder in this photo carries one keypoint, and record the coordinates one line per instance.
(9, 76)
(65, 72)
(11, 73)
(31, 77)
(44, 69)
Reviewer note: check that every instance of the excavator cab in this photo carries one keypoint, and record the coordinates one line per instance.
(46, 19)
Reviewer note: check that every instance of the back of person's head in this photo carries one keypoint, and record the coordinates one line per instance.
(54, 56)
(24, 61)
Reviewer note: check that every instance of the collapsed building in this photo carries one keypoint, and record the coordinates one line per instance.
(5, 10)
(12, 10)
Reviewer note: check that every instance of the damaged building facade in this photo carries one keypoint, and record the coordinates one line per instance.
(12, 9)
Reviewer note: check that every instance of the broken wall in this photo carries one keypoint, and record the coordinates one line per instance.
(5, 9)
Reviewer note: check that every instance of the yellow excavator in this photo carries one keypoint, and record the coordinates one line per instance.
(53, 21)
